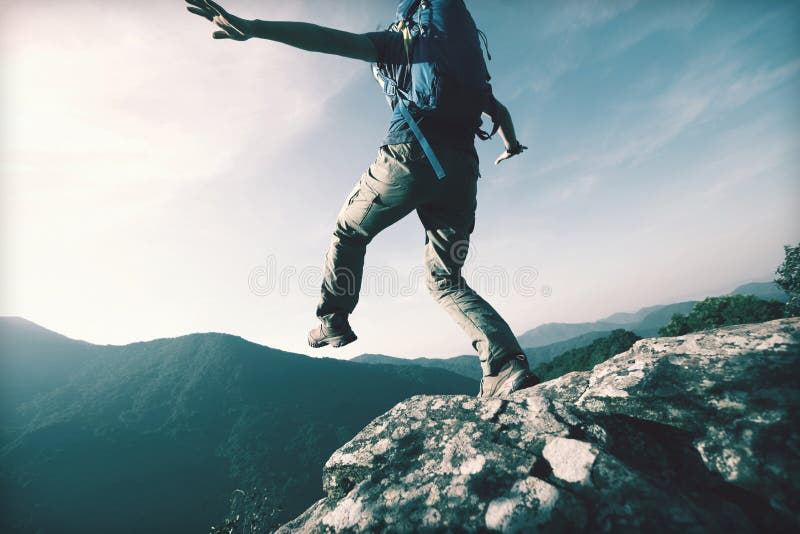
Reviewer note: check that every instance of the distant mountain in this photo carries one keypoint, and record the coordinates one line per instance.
(764, 290)
(544, 354)
(155, 436)
(624, 318)
(35, 360)
(644, 322)
(468, 366)
(583, 358)
(649, 325)
(539, 345)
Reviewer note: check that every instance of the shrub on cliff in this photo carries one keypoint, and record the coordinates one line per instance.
(584, 358)
(714, 312)
(789, 279)
(255, 512)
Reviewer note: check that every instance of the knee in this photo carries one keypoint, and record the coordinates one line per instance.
(350, 236)
(441, 284)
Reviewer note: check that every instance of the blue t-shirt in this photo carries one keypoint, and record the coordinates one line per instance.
(439, 128)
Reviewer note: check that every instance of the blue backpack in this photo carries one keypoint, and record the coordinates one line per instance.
(444, 72)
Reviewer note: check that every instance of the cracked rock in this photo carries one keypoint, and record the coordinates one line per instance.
(697, 433)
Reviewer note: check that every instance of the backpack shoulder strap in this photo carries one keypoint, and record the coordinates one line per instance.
(423, 141)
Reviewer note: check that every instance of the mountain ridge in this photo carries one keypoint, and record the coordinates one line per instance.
(548, 333)
(644, 322)
(159, 433)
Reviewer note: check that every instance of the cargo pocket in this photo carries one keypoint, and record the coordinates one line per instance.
(359, 204)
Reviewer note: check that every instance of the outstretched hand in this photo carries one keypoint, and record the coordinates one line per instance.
(510, 153)
(231, 26)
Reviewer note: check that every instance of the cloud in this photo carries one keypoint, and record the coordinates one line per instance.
(745, 88)
(668, 16)
(580, 185)
(548, 72)
(159, 100)
(157, 110)
(740, 159)
(574, 15)
(571, 22)
(708, 89)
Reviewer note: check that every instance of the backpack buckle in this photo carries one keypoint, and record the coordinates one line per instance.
(390, 88)
(388, 85)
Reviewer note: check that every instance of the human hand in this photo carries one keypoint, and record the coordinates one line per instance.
(510, 152)
(232, 27)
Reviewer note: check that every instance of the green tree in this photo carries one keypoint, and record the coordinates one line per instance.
(789, 279)
(714, 312)
(584, 358)
(677, 326)
(255, 512)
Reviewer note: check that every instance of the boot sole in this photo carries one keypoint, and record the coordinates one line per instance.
(527, 381)
(334, 342)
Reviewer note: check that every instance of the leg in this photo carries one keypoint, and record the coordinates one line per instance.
(390, 189)
(449, 221)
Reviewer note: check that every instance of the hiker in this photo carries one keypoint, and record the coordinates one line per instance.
(427, 162)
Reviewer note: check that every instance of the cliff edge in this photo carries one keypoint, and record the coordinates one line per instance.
(697, 433)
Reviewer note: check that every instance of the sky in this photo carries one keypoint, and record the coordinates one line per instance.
(155, 182)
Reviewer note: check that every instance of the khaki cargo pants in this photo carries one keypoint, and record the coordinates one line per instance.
(399, 181)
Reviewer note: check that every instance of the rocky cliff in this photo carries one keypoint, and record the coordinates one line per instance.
(697, 433)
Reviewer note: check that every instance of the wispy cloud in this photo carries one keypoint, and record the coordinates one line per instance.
(708, 89)
(119, 112)
(574, 15)
(744, 88)
(668, 16)
(567, 28)
(741, 159)
(580, 185)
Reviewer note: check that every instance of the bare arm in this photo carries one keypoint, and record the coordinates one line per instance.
(316, 39)
(506, 130)
(301, 35)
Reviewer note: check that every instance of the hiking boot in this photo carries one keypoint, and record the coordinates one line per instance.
(513, 376)
(333, 333)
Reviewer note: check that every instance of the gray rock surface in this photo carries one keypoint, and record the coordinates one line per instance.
(697, 433)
